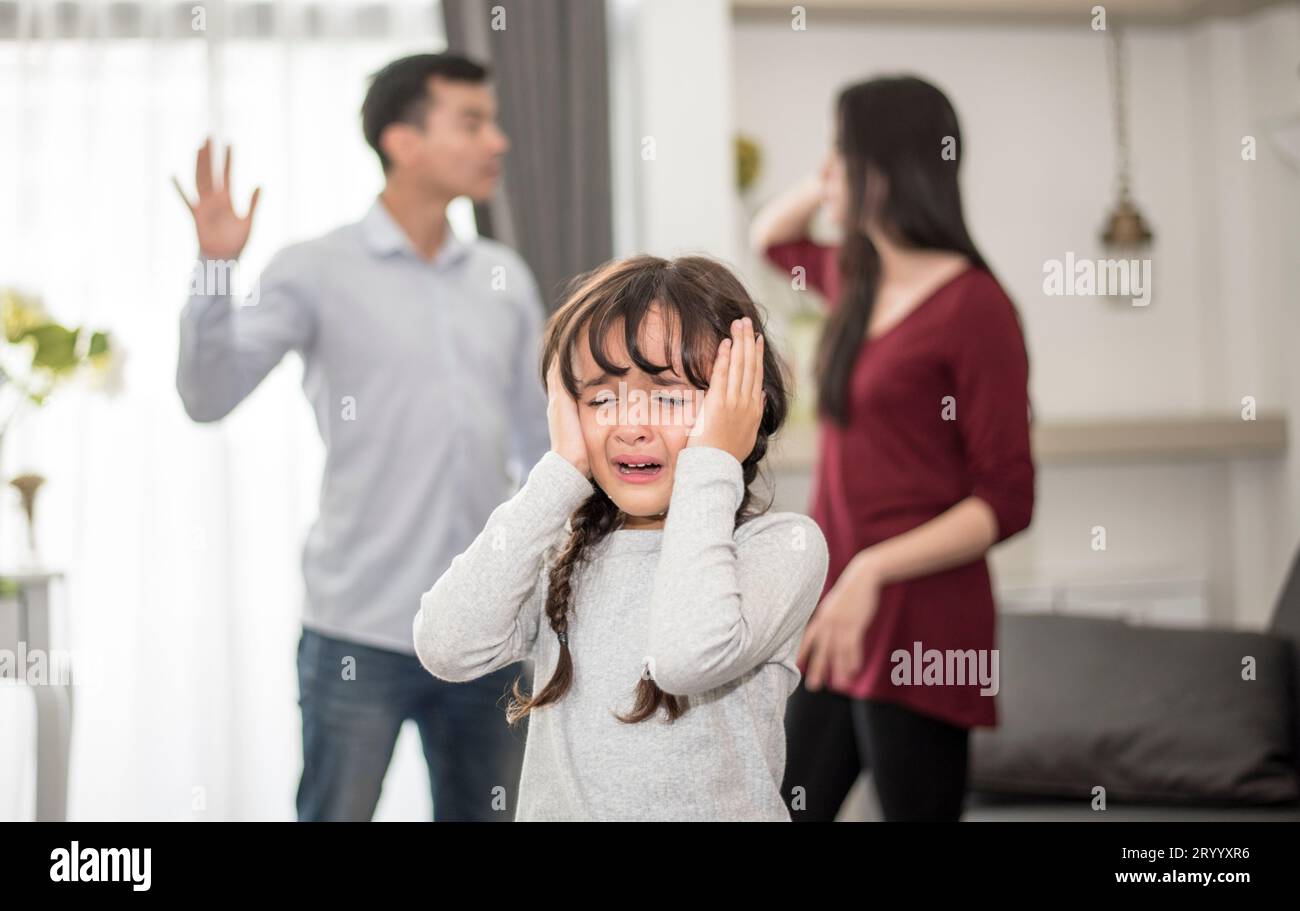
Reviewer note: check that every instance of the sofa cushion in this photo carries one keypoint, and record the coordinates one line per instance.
(1150, 714)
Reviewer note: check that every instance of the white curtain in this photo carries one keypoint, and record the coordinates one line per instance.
(180, 543)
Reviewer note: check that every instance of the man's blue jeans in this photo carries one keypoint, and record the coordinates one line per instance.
(350, 720)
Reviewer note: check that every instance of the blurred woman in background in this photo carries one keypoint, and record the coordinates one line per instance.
(923, 459)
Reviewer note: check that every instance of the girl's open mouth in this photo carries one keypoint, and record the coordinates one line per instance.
(637, 470)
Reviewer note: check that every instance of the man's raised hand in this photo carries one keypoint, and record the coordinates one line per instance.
(222, 234)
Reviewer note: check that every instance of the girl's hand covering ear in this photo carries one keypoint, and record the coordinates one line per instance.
(733, 406)
(562, 417)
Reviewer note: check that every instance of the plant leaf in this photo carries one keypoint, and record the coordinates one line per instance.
(56, 347)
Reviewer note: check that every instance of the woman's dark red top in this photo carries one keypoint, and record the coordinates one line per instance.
(938, 411)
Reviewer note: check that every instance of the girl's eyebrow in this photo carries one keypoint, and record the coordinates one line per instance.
(667, 379)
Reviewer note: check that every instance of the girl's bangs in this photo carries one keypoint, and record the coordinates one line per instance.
(686, 323)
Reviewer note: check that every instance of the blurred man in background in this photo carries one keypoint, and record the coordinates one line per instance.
(419, 353)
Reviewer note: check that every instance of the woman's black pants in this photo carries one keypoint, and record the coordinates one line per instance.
(918, 763)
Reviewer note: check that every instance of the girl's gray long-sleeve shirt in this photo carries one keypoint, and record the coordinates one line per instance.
(710, 611)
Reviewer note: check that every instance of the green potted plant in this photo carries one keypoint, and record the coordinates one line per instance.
(38, 356)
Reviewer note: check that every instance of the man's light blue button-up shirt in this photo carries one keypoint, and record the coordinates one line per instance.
(423, 378)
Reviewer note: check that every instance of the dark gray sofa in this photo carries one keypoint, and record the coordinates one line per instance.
(1163, 719)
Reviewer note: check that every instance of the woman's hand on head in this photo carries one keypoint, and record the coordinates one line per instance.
(562, 417)
(733, 405)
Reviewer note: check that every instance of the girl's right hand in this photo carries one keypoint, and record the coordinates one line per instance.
(562, 417)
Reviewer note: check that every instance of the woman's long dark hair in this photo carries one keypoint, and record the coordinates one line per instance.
(700, 298)
(901, 147)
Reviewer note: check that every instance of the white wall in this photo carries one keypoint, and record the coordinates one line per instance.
(1034, 103)
(671, 76)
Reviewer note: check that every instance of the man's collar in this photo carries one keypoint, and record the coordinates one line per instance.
(384, 236)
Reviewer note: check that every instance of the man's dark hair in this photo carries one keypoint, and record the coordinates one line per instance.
(399, 93)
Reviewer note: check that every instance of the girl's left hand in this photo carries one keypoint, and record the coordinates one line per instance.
(832, 643)
(733, 406)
